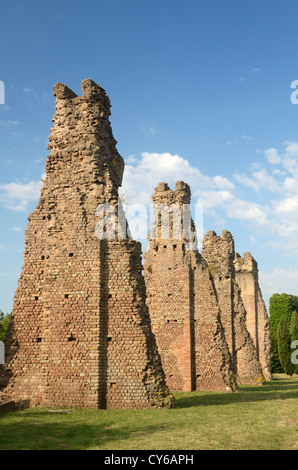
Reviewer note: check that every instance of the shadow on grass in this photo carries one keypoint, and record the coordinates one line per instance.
(37, 430)
(279, 389)
(89, 429)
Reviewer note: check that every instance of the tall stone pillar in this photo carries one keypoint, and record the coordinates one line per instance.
(219, 252)
(182, 300)
(81, 333)
(257, 320)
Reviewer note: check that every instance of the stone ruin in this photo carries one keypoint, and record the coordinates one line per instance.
(183, 302)
(197, 309)
(90, 327)
(219, 252)
(80, 334)
(257, 321)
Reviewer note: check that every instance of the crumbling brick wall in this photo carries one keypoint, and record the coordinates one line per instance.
(182, 300)
(219, 252)
(257, 320)
(80, 333)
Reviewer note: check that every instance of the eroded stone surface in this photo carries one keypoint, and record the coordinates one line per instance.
(219, 252)
(182, 300)
(257, 320)
(81, 334)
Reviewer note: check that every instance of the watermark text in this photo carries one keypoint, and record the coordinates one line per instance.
(294, 355)
(2, 92)
(172, 221)
(2, 353)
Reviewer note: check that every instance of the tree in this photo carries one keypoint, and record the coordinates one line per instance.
(280, 305)
(275, 313)
(284, 346)
(294, 332)
(4, 323)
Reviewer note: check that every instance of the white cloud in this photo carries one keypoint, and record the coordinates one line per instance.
(266, 181)
(131, 159)
(142, 175)
(248, 211)
(17, 196)
(279, 280)
(223, 183)
(279, 172)
(292, 148)
(272, 156)
(270, 209)
(290, 184)
(277, 216)
(213, 199)
(255, 70)
(287, 206)
(246, 181)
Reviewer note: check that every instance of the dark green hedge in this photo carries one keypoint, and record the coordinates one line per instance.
(294, 332)
(284, 346)
(280, 305)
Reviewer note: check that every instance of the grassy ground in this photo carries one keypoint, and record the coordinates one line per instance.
(254, 418)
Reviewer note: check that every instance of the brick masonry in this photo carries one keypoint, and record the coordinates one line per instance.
(219, 252)
(257, 319)
(182, 300)
(81, 333)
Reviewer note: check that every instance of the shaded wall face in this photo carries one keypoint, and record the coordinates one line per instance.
(55, 311)
(264, 340)
(213, 362)
(182, 301)
(55, 326)
(219, 254)
(66, 255)
(167, 277)
(168, 298)
(247, 285)
(257, 320)
(81, 331)
(135, 378)
(185, 319)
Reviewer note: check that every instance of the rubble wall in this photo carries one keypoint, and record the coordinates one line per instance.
(257, 319)
(182, 300)
(80, 333)
(219, 253)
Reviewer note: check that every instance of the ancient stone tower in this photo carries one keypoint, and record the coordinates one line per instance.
(257, 320)
(81, 333)
(219, 252)
(182, 300)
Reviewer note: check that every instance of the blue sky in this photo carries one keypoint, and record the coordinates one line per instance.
(200, 91)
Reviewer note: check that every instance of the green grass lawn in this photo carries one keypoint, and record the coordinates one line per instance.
(254, 418)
